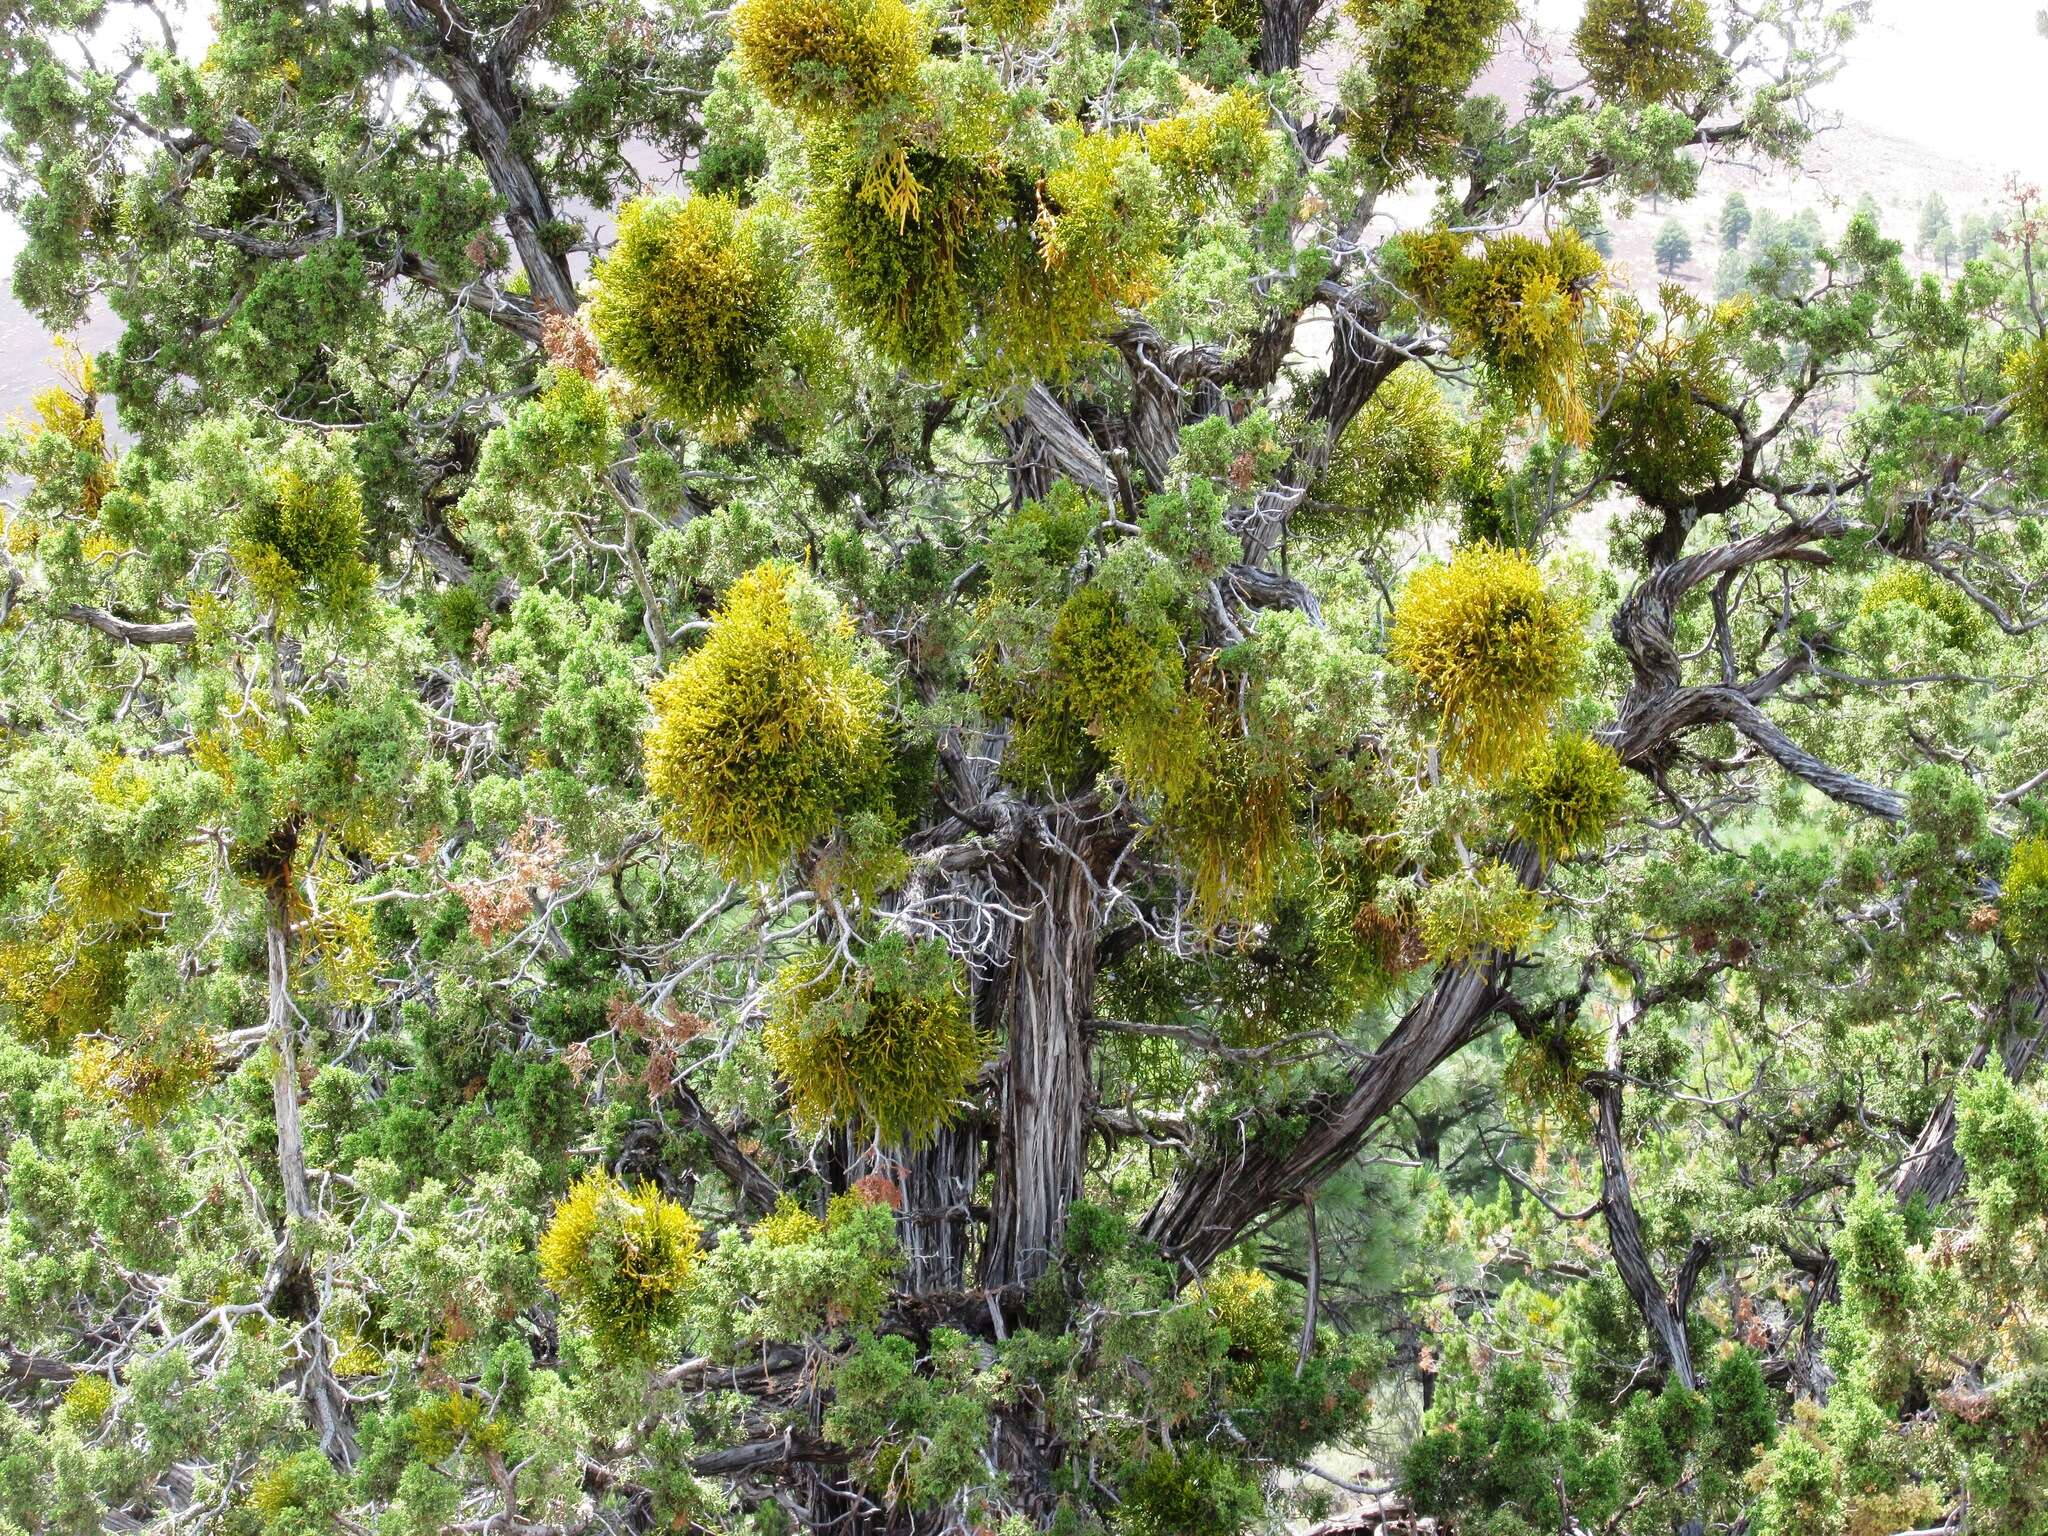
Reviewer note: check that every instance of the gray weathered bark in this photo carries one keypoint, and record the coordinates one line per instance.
(485, 98)
(1281, 25)
(936, 1225)
(1661, 707)
(1040, 998)
(130, 631)
(1047, 444)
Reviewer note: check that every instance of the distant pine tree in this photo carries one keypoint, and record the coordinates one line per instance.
(1933, 224)
(1674, 247)
(1735, 221)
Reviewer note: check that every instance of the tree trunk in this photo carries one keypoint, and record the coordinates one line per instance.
(1218, 1196)
(935, 1219)
(1359, 363)
(1047, 444)
(1039, 999)
(1170, 386)
(1281, 25)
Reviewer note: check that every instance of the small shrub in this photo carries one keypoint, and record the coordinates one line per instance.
(147, 1076)
(1240, 18)
(68, 439)
(1101, 224)
(443, 1423)
(1915, 586)
(297, 1494)
(911, 255)
(1229, 821)
(1221, 143)
(829, 57)
(2026, 375)
(1111, 672)
(2023, 902)
(60, 981)
(1245, 1302)
(299, 541)
(1657, 435)
(1545, 1075)
(87, 1402)
(1476, 911)
(1567, 794)
(1421, 56)
(1007, 19)
(1521, 304)
(1648, 50)
(1393, 460)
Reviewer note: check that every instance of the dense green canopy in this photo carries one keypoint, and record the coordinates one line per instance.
(1079, 789)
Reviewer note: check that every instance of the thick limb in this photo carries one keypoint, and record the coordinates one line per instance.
(292, 1280)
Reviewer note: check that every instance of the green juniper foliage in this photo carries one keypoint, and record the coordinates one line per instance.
(1051, 775)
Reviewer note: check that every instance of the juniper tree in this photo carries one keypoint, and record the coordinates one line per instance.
(921, 812)
(1946, 248)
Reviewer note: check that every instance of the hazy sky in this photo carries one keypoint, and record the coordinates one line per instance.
(1960, 76)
